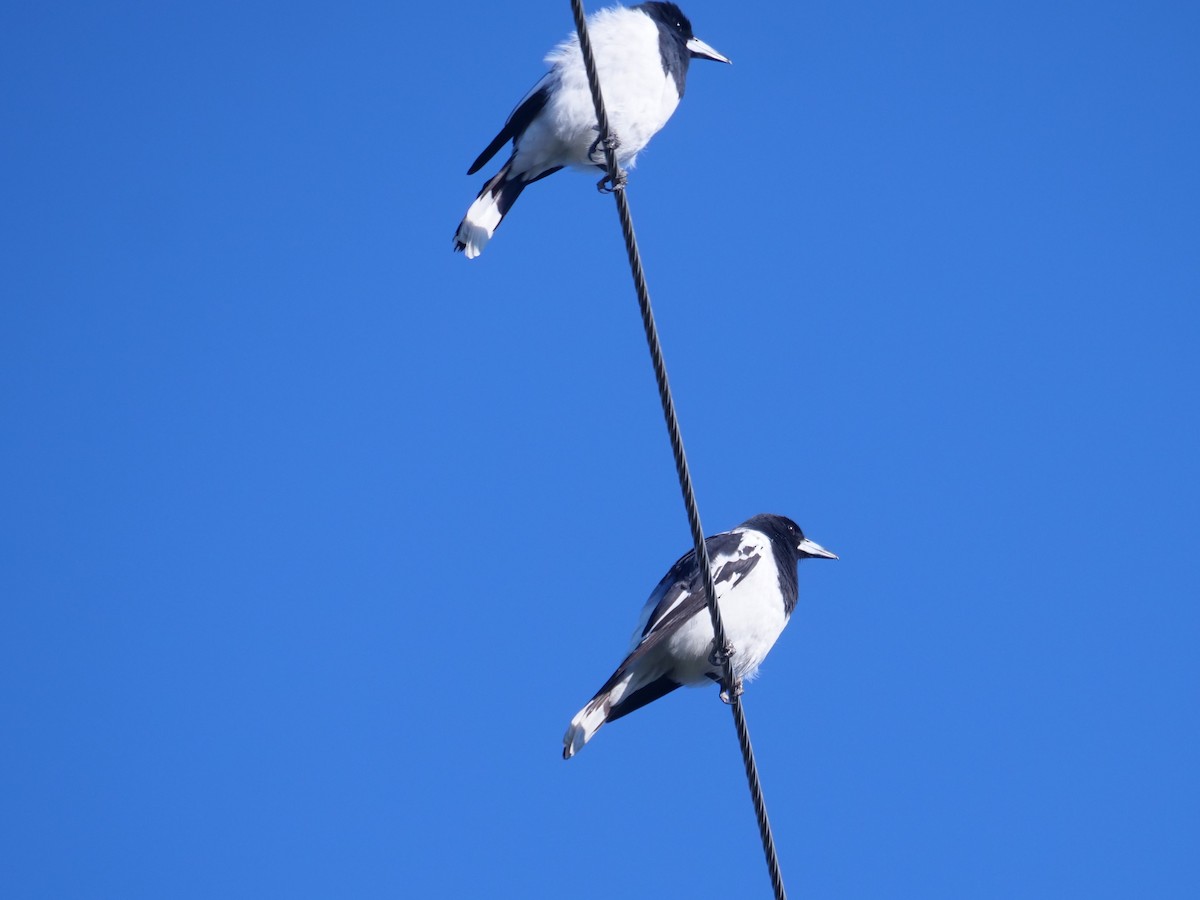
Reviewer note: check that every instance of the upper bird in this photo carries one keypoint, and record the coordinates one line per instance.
(642, 54)
(754, 571)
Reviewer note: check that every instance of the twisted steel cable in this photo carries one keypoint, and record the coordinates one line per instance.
(722, 650)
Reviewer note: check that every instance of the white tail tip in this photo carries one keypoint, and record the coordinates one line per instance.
(471, 239)
(586, 723)
(483, 216)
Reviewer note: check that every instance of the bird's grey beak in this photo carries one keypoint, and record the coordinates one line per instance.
(812, 548)
(700, 49)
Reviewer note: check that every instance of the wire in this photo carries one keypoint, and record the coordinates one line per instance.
(723, 650)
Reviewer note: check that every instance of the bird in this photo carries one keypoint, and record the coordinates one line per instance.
(642, 54)
(754, 572)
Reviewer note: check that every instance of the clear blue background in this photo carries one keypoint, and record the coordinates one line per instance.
(315, 535)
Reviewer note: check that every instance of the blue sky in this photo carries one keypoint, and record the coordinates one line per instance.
(315, 535)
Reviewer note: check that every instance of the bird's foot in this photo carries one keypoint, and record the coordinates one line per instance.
(609, 185)
(719, 657)
(727, 697)
(597, 153)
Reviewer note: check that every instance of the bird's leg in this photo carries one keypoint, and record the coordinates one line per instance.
(608, 184)
(720, 659)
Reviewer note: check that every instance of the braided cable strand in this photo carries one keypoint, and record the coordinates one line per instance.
(722, 652)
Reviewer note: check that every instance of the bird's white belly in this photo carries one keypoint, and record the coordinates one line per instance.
(639, 98)
(565, 135)
(752, 625)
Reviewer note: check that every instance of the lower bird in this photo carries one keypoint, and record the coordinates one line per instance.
(754, 572)
(642, 54)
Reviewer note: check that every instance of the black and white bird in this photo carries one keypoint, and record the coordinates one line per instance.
(642, 54)
(754, 571)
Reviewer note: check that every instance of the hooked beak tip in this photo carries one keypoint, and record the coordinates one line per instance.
(814, 550)
(701, 50)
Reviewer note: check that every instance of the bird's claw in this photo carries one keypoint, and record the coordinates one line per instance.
(597, 152)
(719, 657)
(737, 692)
(609, 185)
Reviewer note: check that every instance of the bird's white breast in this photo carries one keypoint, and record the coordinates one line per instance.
(639, 95)
(752, 613)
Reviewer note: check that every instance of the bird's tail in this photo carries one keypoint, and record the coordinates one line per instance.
(631, 687)
(489, 209)
(589, 719)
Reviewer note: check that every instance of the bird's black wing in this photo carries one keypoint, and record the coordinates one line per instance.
(680, 595)
(518, 120)
(660, 687)
(681, 592)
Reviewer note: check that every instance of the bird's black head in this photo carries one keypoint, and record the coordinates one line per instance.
(675, 27)
(784, 532)
(671, 16)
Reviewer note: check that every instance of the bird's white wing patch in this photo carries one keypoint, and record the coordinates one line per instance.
(732, 554)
